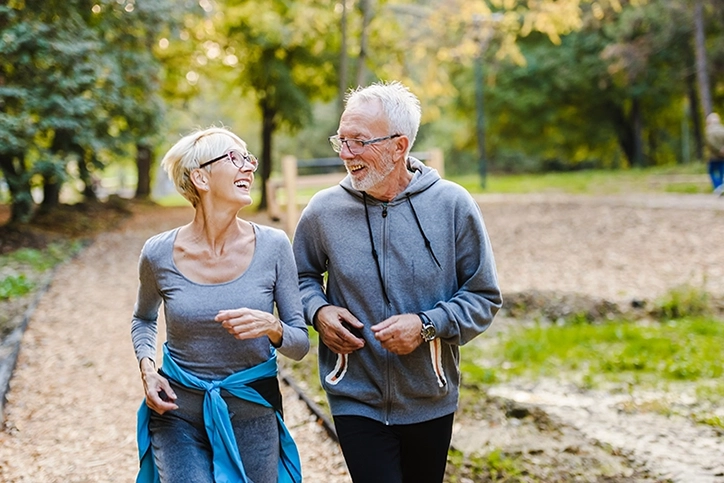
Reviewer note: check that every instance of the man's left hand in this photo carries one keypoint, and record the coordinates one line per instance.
(399, 334)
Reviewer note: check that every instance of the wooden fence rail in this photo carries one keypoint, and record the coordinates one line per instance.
(292, 180)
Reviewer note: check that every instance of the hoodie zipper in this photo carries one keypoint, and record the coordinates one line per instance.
(388, 356)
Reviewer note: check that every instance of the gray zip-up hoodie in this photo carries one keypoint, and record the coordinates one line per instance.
(452, 280)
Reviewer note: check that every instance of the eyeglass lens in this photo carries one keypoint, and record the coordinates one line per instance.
(355, 146)
(239, 160)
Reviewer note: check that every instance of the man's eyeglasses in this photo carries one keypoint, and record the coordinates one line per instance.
(237, 158)
(356, 146)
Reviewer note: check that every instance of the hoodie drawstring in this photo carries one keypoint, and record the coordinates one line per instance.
(428, 245)
(422, 232)
(374, 251)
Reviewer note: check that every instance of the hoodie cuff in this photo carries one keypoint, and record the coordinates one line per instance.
(313, 318)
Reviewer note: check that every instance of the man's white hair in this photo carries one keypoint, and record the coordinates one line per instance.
(399, 104)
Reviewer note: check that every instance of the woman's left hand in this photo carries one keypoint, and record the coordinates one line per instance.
(246, 323)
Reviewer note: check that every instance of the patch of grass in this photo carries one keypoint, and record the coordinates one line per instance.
(42, 260)
(712, 420)
(682, 301)
(495, 466)
(653, 355)
(690, 349)
(657, 179)
(15, 286)
(20, 269)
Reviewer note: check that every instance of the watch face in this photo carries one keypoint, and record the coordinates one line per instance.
(428, 332)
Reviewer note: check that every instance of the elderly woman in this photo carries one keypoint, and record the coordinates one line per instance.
(213, 409)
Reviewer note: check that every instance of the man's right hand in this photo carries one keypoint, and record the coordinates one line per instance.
(335, 325)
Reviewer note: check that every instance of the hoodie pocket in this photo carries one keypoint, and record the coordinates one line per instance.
(422, 374)
(347, 376)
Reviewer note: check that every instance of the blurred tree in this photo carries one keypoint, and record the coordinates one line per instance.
(130, 36)
(702, 72)
(48, 78)
(74, 76)
(286, 59)
(609, 72)
(17, 127)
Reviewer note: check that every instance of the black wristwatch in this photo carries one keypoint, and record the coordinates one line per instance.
(428, 331)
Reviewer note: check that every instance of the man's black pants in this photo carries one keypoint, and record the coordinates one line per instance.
(409, 453)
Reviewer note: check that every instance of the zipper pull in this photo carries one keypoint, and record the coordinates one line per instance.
(384, 210)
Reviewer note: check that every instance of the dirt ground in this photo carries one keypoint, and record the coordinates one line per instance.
(70, 412)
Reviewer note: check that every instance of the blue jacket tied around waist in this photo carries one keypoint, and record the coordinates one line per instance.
(228, 467)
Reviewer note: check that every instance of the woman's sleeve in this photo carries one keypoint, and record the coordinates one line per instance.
(295, 341)
(145, 312)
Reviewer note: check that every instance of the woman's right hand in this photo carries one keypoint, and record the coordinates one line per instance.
(159, 395)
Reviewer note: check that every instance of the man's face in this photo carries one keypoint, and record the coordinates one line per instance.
(370, 167)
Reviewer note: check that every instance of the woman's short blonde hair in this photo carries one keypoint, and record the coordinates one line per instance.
(192, 150)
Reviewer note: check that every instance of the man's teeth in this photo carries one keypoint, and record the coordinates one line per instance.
(242, 184)
(356, 167)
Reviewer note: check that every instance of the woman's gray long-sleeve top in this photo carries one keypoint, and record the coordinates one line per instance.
(198, 343)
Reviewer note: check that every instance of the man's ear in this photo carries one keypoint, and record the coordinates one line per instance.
(401, 145)
(199, 178)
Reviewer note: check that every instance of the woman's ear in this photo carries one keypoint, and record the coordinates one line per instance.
(200, 179)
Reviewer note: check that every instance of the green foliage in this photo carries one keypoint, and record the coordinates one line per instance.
(684, 301)
(615, 92)
(495, 466)
(689, 350)
(20, 270)
(478, 374)
(42, 260)
(69, 89)
(591, 182)
(14, 286)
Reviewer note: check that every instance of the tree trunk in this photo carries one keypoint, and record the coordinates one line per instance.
(624, 133)
(21, 199)
(143, 166)
(637, 125)
(53, 172)
(89, 192)
(695, 118)
(267, 132)
(342, 59)
(702, 73)
(366, 7)
(51, 192)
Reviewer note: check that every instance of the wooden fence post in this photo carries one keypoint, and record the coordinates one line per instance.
(272, 192)
(436, 161)
(289, 171)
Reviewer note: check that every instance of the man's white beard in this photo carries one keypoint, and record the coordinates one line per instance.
(373, 176)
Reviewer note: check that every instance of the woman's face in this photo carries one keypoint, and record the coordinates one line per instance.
(232, 176)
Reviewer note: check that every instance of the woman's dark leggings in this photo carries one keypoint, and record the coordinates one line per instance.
(407, 453)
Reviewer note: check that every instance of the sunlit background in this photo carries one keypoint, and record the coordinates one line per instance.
(92, 93)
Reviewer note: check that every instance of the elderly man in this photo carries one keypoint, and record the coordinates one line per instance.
(410, 278)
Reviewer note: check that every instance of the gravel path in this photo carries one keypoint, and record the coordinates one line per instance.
(619, 248)
(70, 415)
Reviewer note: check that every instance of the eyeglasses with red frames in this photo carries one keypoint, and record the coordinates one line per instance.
(237, 158)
